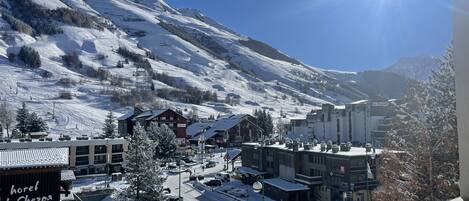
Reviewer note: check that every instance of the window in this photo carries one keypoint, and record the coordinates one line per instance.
(181, 125)
(357, 163)
(100, 159)
(82, 160)
(171, 118)
(357, 178)
(117, 158)
(83, 150)
(315, 173)
(117, 148)
(100, 149)
(163, 118)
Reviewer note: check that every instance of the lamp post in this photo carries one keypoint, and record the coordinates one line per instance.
(179, 160)
(202, 148)
(368, 171)
(258, 186)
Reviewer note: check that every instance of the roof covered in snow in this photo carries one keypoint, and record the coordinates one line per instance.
(233, 154)
(67, 175)
(223, 124)
(354, 151)
(285, 185)
(127, 115)
(197, 128)
(151, 113)
(30, 158)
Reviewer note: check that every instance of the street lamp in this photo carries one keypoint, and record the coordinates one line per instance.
(369, 173)
(258, 186)
(202, 148)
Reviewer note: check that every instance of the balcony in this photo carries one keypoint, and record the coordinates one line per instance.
(308, 180)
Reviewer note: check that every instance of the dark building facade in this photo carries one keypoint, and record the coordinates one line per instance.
(32, 174)
(171, 118)
(330, 176)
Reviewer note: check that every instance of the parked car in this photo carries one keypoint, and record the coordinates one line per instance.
(187, 160)
(166, 191)
(210, 164)
(173, 198)
(172, 165)
(213, 183)
(177, 170)
(223, 176)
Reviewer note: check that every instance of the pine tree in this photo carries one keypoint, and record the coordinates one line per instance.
(7, 117)
(264, 121)
(22, 118)
(109, 128)
(143, 172)
(35, 123)
(165, 140)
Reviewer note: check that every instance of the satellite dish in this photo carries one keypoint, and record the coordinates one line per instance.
(257, 186)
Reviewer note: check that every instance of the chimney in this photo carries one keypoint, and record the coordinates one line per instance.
(323, 146)
(368, 147)
(295, 146)
(335, 148)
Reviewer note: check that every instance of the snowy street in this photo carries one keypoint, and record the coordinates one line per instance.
(190, 190)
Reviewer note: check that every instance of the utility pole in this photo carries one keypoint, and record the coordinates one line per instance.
(179, 177)
(53, 110)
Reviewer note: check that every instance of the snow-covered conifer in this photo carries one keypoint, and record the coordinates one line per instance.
(143, 172)
(165, 140)
(109, 128)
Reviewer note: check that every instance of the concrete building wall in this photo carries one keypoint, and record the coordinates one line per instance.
(461, 59)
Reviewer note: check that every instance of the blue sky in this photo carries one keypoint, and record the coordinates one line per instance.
(348, 35)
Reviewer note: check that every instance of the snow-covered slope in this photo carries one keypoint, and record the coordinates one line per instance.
(184, 44)
(417, 68)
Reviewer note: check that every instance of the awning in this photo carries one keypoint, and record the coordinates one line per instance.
(67, 175)
(285, 185)
(233, 154)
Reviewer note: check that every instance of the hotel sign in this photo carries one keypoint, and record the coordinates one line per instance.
(31, 186)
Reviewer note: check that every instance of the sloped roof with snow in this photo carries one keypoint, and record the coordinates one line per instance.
(31, 158)
(127, 115)
(223, 124)
(285, 185)
(197, 128)
(233, 154)
(151, 113)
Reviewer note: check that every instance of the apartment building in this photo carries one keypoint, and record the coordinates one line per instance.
(297, 172)
(353, 122)
(86, 155)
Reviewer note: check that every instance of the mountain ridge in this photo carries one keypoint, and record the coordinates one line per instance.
(98, 46)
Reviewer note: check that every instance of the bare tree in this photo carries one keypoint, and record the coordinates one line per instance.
(7, 116)
(425, 132)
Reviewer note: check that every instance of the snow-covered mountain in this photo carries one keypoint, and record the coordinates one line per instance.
(90, 49)
(416, 68)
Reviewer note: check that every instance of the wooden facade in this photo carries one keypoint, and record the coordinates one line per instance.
(171, 118)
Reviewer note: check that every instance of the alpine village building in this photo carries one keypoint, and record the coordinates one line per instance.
(226, 131)
(310, 172)
(177, 122)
